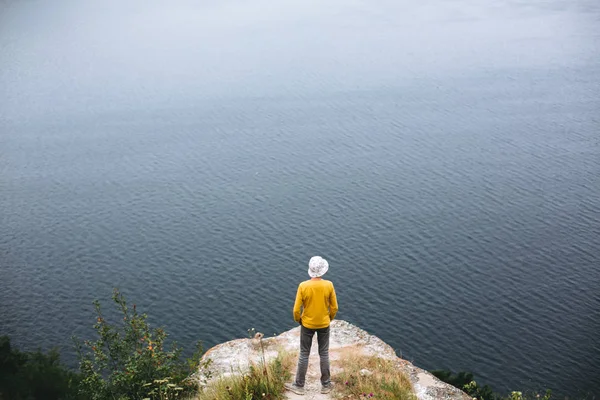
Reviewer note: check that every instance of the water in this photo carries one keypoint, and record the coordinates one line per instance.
(445, 159)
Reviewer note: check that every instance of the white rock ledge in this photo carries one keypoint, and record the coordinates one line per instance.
(235, 357)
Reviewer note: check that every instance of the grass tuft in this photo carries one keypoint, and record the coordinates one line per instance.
(259, 383)
(379, 379)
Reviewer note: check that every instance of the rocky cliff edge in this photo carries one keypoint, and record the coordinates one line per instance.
(236, 356)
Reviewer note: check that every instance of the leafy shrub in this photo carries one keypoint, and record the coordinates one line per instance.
(34, 375)
(464, 381)
(129, 360)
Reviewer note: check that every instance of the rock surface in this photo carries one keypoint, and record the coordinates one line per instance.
(235, 356)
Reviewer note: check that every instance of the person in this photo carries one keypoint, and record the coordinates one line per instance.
(319, 305)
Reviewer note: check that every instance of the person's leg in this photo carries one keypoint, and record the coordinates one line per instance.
(323, 339)
(306, 336)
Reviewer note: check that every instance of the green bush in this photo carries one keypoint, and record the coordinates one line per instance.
(129, 360)
(464, 381)
(34, 375)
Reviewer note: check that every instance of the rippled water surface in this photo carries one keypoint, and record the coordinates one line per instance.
(444, 157)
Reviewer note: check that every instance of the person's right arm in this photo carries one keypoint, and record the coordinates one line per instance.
(297, 305)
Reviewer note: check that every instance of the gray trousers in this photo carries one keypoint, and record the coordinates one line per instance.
(306, 336)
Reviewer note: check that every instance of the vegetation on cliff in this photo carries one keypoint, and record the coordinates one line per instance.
(466, 382)
(34, 375)
(263, 381)
(370, 377)
(129, 360)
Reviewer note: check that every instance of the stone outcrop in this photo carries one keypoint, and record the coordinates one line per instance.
(235, 357)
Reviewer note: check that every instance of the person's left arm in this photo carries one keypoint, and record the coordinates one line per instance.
(333, 304)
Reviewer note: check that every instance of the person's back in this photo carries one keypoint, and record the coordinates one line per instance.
(316, 296)
(315, 307)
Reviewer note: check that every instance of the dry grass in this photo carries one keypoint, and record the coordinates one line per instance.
(382, 381)
(259, 383)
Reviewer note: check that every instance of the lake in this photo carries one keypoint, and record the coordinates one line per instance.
(444, 157)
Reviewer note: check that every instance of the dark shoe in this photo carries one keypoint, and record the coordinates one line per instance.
(292, 387)
(326, 388)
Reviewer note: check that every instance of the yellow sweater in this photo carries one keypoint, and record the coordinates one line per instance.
(317, 297)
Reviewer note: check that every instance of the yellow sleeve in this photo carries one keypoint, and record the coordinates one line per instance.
(297, 305)
(333, 305)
